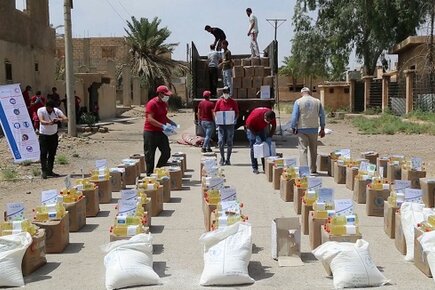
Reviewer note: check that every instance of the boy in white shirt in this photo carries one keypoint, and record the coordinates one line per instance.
(49, 120)
(253, 33)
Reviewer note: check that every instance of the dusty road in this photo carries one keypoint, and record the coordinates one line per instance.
(177, 252)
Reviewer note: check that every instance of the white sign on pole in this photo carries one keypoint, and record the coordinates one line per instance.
(16, 124)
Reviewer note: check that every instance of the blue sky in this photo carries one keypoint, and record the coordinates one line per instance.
(185, 18)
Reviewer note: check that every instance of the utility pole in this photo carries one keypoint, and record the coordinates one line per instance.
(69, 69)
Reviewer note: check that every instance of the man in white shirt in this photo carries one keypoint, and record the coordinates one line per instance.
(253, 33)
(214, 58)
(49, 120)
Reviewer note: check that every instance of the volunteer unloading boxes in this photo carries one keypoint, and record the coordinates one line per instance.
(260, 127)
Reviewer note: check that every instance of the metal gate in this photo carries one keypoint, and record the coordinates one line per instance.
(358, 104)
(424, 92)
(375, 94)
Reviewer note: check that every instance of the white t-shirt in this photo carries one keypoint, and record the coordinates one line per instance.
(253, 19)
(49, 129)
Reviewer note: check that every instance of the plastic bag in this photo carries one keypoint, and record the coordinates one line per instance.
(427, 241)
(227, 252)
(12, 250)
(351, 264)
(130, 263)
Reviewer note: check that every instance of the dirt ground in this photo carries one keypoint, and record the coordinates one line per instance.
(177, 252)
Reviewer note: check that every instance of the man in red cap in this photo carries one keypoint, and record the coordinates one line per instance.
(156, 123)
(260, 127)
(205, 119)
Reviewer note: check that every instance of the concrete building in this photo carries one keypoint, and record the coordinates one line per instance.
(27, 45)
(413, 54)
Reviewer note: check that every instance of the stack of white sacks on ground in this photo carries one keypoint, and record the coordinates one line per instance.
(12, 250)
(228, 247)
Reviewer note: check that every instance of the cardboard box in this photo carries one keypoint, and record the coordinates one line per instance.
(114, 238)
(246, 62)
(351, 172)
(267, 71)
(315, 230)
(237, 83)
(297, 200)
(268, 169)
(345, 238)
(375, 201)
(428, 188)
(389, 220)
(207, 210)
(332, 167)
(277, 172)
(305, 212)
(118, 181)
(56, 234)
(264, 61)
(92, 202)
(148, 208)
(130, 174)
(34, 257)
(286, 237)
(255, 61)
(323, 162)
(286, 189)
(360, 190)
(420, 257)
(247, 83)
(249, 71)
(414, 176)
(156, 200)
(259, 72)
(238, 72)
(382, 162)
(252, 93)
(237, 61)
(77, 214)
(399, 240)
(175, 177)
(394, 171)
(141, 159)
(268, 81)
(104, 190)
(166, 184)
(339, 173)
(225, 117)
(372, 157)
(177, 162)
(257, 82)
(243, 93)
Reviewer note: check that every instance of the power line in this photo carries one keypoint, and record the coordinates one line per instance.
(116, 11)
(125, 9)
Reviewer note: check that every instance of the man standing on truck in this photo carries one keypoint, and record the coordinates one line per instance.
(155, 127)
(205, 119)
(213, 63)
(260, 127)
(226, 106)
(307, 111)
(253, 33)
(227, 67)
(219, 36)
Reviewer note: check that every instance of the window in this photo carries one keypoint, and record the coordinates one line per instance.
(331, 90)
(108, 52)
(36, 66)
(346, 90)
(8, 70)
(314, 89)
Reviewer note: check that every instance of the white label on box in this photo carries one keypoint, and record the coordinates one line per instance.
(15, 211)
(363, 166)
(225, 117)
(343, 207)
(381, 171)
(290, 162)
(117, 169)
(326, 195)
(314, 183)
(345, 153)
(228, 193)
(413, 195)
(127, 207)
(304, 171)
(350, 229)
(49, 196)
(401, 185)
(230, 207)
(416, 163)
(386, 186)
(128, 194)
(102, 163)
(265, 92)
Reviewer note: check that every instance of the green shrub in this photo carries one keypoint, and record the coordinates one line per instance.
(421, 115)
(88, 119)
(36, 171)
(9, 174)
(62, 159)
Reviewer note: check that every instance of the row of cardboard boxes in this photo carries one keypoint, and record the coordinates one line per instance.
(66, 211)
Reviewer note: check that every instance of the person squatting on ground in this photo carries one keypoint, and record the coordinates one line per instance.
(206, 121)
(154, 129)
(226, 132)
(49, 119)
(260, 127)
(213, 63)
(227, 67)
(253, 33)
(219, 36)
(307, 111)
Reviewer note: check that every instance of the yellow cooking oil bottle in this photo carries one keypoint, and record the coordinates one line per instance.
(310, 197)
(100, 174)
(302, 182)
(340, 225)
(54, 211)
(15, 227)
(84, 184)
(71, 195)
(429, 225)
(212, 196)
(289, 173)
(396, 199)
(129, 220)
(126, 230)
(323, 210)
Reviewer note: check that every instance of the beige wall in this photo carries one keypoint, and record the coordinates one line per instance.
(335, 96)
(285, 95)
(107, 101)
(26, 39)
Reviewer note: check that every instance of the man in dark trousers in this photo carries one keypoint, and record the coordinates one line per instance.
(260, 127)
(205, 119)
(49, 119)
(218, 34)
(156, 124)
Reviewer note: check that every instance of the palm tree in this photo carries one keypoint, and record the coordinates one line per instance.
(290, 69)
(150, 55)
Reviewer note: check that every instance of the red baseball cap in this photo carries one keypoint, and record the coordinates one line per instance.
(206, 94)
(164, 90)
